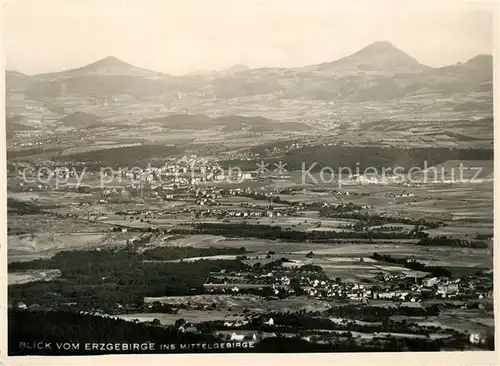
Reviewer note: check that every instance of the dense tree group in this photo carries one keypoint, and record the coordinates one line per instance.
(102, 278)
(278, 233)
(413, 264)
(445, 241)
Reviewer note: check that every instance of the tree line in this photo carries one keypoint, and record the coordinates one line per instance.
(445, 241)
(242, 230)
(413, 264)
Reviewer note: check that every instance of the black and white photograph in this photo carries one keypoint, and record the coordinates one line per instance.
(250, 177)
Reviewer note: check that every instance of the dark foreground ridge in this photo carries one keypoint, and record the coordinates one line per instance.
(67, 333)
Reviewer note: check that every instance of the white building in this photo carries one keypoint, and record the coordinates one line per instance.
(429, 282)
(237, 337)
(269, 322)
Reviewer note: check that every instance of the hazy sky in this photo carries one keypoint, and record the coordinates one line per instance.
(186, 36)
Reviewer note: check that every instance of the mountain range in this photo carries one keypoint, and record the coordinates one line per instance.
(378, 72)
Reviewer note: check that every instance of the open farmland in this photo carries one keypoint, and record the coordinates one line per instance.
(193, 316)
(31, 276)
(238, 303)
(459, 256)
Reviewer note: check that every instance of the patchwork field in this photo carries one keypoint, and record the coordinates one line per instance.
(472, 321)
(238, 303)
(193, 316)
(31, 276)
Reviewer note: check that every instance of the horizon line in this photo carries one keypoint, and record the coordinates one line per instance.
(198, 72)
